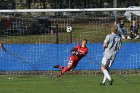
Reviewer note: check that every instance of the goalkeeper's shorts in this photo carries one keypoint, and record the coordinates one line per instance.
(74, 60)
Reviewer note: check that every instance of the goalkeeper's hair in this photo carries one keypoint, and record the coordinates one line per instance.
(85, 40)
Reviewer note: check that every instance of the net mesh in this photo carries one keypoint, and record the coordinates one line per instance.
(36, 41)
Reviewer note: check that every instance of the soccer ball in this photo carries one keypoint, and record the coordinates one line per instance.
(69, 29)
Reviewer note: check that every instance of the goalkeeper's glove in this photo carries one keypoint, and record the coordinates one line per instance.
(74, 52)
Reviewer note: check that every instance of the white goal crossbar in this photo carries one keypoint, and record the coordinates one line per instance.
(71, 10)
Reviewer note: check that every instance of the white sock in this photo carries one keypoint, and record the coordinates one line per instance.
(104, 79)
(107, 75)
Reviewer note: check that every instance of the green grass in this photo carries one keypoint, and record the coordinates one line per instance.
(69, 84)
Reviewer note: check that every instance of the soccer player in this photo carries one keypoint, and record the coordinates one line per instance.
(78, 52)
(112, 44)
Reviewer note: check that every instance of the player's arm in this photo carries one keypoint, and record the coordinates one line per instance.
(119, 44)
(74, 50)
(105, 44)
(85, 52)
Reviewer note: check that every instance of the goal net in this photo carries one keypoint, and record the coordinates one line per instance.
(37, 39)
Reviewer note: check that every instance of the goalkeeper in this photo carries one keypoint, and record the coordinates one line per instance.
(78, 53)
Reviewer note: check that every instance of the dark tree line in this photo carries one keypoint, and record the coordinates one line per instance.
(12, 4)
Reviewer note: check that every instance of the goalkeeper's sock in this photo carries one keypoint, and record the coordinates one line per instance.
(107, 75)
(104, 79)
(60, 67)
(65, 69)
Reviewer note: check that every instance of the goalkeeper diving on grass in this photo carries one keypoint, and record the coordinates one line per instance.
(78, 52)
(112, 44)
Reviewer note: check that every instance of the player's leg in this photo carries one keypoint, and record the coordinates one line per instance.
(73, 61)
(105, 64)
(107, 68)
(59, 67)
(111, 61)
(71, 65)
(67, 68)
(104, 80)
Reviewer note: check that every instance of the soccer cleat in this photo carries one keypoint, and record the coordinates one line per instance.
(102, 84)
(56, 66)
(59, 75)
(111, 82)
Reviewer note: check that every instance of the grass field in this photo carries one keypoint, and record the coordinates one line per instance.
(68, 84)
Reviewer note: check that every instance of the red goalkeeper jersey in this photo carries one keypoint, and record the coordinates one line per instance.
(82, 51)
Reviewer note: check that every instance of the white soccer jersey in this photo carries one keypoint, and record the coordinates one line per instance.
(112, 44)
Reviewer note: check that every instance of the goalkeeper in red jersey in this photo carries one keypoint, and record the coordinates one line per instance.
(78, 52)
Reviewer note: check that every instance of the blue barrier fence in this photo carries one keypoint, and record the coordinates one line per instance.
(45, 56)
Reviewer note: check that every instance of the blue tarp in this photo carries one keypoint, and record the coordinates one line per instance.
(45, 56)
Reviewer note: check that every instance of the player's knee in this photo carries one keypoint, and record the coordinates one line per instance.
(71, 70)
(102, 67)
(70, 65)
